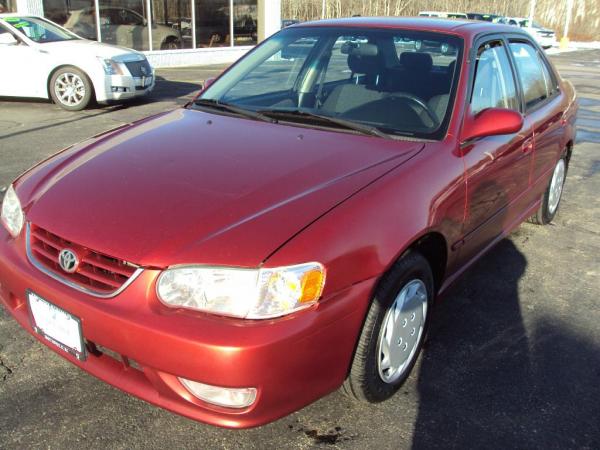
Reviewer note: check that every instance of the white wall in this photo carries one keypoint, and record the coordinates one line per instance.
(269, 18)
(192, 57)
(30, 7)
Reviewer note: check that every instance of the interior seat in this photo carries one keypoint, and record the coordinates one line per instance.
(368, 69)
(413, 76)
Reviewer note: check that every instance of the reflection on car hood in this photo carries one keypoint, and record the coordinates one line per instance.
(193, 187)
(85, 48)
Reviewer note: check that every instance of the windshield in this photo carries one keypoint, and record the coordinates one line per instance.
(39, 30)
(397, 81)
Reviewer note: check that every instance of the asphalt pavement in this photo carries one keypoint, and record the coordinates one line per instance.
(512, 359)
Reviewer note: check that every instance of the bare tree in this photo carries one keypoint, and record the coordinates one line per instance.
(551, 13)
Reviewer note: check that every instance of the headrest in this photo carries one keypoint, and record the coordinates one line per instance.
(363, 58)
(421, 62)
(359, 49)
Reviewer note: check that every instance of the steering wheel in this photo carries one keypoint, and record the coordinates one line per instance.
(419, 102)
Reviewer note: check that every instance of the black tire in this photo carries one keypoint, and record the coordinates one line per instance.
(170, 43)
(364, 382)
(546, 213)
(84, 90)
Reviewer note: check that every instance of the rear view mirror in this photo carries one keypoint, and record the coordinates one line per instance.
(492, 122)
(8, 39)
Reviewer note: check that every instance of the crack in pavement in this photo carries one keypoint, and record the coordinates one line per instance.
(7, 369)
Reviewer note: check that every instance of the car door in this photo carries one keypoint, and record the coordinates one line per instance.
(496, 167)
(20, 69)
(544, 109)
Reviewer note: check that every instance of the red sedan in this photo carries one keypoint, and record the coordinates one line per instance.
(286, 232)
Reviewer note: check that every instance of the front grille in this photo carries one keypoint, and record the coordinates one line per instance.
(137, 68)
(97, 273)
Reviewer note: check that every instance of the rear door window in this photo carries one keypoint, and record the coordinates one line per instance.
(535, 77)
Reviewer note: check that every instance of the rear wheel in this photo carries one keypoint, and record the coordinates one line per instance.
(393, 332)
(70, 89)
(551, 198)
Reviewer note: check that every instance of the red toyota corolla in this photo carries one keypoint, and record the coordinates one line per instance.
(288, 231)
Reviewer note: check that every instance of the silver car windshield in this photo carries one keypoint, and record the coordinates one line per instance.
(397, 81)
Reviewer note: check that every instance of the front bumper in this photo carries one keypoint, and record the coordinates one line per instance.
(546, 41)
(292, 361)
(123, 87)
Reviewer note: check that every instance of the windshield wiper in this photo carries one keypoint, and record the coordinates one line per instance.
(343, 123)
(216, 104)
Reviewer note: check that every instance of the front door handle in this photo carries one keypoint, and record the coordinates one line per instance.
(527, 145)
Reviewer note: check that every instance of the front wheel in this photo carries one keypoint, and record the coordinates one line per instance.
(170, 44)
(551, 198)
(393, 332)
(70, 89)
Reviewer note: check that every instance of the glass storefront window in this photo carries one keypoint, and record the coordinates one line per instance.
(172, 19)
(125, 22)
(245, 30)
(59, 11)
(212, 23)
(7, 6)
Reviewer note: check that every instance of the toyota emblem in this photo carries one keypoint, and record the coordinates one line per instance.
(68, 261)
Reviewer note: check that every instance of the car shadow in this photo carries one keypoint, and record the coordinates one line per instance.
(486, 380)
(169, 89)
(163, 89)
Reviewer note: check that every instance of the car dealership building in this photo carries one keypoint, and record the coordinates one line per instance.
(183, 32)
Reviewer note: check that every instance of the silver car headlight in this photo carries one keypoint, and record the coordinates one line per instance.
(244, 293)
(110, 67)
(12, 215)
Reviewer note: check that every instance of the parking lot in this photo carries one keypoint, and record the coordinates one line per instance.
(512, 359)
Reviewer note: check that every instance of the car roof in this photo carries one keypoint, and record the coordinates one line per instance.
(461, 27)
(5, 15)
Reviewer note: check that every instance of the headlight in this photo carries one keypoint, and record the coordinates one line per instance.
(12, 214)
(110, 67)
(245, 293)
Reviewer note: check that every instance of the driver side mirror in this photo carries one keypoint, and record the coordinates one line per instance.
(492, 122)
(8, 39)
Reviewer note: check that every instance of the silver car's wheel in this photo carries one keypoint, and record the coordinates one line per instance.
(401, 332)
(556, 186)
(70, 88)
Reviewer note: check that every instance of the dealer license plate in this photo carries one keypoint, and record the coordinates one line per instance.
(58, 326)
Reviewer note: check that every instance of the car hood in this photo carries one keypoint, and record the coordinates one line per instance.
(193, 187)
(85, 48)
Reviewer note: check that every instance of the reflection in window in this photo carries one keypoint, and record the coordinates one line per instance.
(172, 19)
(533, 73)
(7, 6)
(245, 28)
(494, 85)
(212, 23)
(277, 73)
(126, 25)
(125, 22)
(61, 11)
